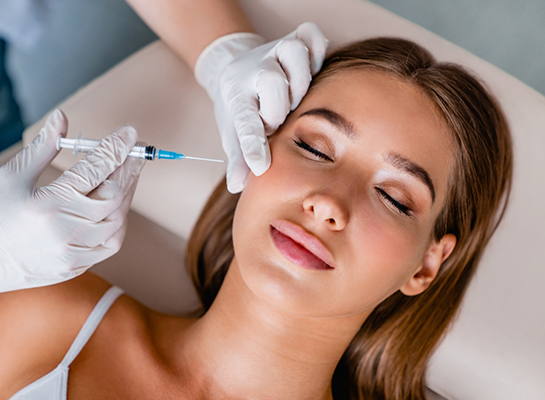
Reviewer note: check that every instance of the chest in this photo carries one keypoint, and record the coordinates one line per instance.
(121, 367)
(119, 375)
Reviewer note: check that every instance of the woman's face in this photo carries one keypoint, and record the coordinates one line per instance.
(344, 216)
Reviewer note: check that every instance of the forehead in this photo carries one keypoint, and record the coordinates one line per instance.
(372, 96)
(388, 115)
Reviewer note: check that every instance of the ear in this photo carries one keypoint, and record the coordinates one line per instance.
(437, 253)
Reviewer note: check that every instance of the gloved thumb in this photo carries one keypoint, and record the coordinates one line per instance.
(33, 159)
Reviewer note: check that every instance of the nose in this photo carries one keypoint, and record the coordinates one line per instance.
(326, 210)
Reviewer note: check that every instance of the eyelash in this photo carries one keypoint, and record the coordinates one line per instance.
(402, 208)
(305, 146)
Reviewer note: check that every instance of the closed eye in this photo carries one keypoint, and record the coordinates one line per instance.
(402, 208)
(305, 146)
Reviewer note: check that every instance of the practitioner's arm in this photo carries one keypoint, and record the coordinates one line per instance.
(188, 26)
(253, 84)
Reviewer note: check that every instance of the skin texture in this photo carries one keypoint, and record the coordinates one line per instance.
(275, 330)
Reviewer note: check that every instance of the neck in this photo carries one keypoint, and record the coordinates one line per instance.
(244, 348)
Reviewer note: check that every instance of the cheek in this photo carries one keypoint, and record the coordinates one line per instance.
(285, 179)
(277, 185)
(384, 257)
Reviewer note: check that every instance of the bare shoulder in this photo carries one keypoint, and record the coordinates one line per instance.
(37, 327)
(129, 355)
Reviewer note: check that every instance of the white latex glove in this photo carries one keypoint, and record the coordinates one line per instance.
(54, 233)
(254, 86)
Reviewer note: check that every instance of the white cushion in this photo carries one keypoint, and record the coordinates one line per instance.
(496, 348)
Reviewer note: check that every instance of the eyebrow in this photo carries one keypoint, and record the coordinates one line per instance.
(414, 169)
(338, 120)
(396, 160)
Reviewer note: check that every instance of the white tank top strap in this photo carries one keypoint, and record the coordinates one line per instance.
(91, 324)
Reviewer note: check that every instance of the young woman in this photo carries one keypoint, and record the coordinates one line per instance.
(333, 275)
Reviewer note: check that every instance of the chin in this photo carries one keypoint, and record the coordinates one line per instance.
(280, 286)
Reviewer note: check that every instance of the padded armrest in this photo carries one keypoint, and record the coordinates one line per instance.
(496, 348)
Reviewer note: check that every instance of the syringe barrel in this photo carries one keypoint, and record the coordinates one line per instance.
(81, 145)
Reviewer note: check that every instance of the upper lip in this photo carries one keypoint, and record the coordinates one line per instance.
(305, 239)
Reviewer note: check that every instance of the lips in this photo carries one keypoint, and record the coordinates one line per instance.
(299, 246)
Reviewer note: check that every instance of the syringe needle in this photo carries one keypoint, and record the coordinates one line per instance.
(202, 159)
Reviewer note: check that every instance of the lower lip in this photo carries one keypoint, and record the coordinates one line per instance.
(296, 253)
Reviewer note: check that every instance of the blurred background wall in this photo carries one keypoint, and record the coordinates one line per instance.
(83, 39)
(507, 33)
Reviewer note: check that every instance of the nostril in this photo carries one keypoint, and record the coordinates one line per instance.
(331, 221)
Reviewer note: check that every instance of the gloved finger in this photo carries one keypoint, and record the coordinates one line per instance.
(272, 88)
(99, 163)
(100, 202)
(237, 169)
(93, 234)
(313, 37)
(88, 256)
(237, 179)
(108, 196)
(237, 173)
(250, 133)
(33, 159)
(114, 242)
(293, 55)
(115, 188)
(120, 181)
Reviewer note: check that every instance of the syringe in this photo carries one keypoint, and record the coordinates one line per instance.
(144, 152)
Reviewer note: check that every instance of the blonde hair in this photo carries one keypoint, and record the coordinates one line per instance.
(388, 357)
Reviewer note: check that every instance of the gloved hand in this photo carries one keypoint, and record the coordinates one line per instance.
(54, 233)
(254, 86)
